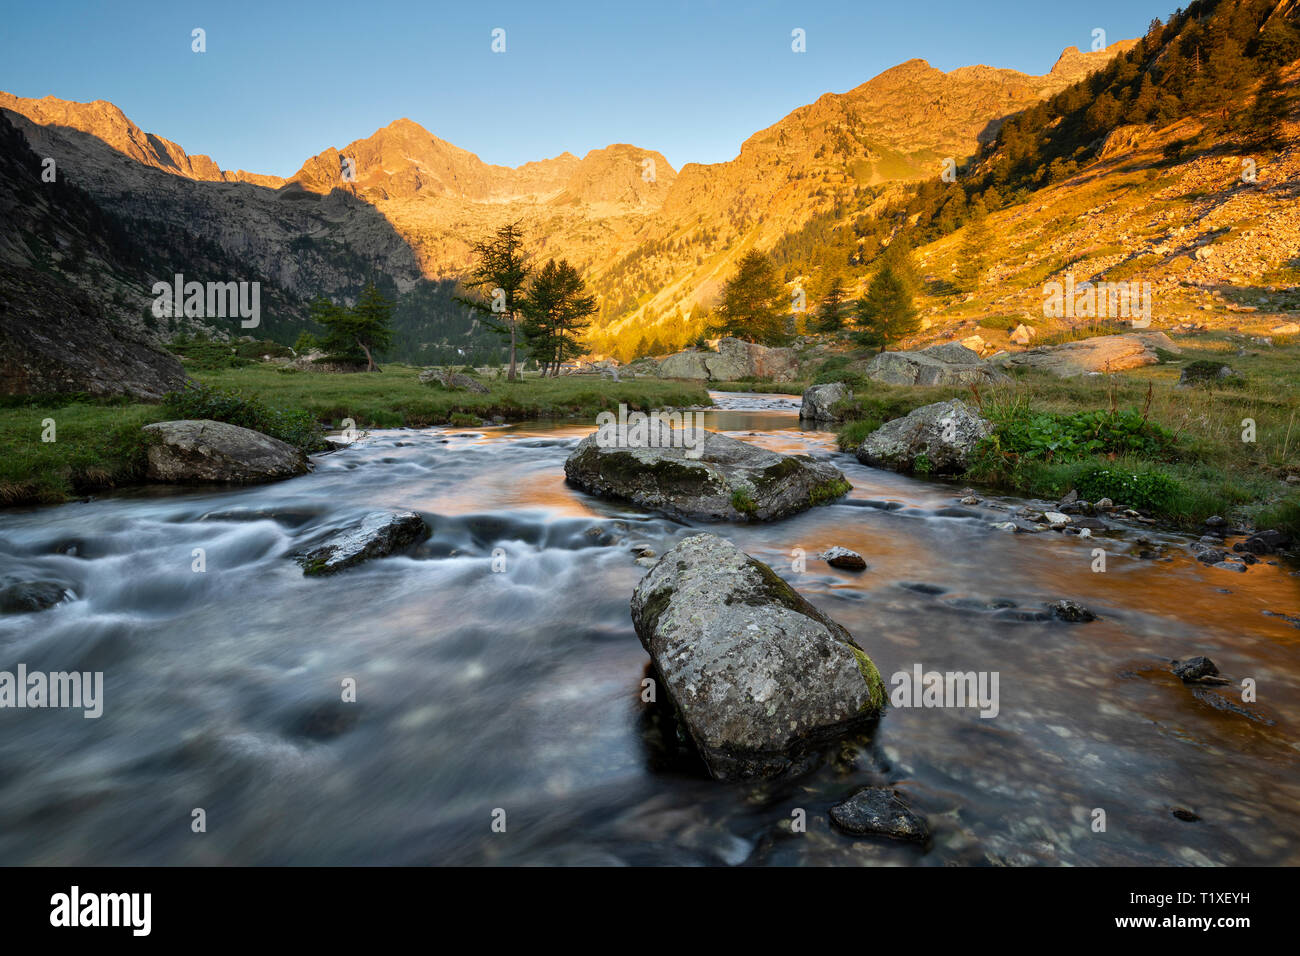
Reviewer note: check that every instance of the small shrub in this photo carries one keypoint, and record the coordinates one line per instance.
(294, 426)
(1151, 490)
(204, 356)
(853, 434)
(255, 350)
(1070, 437)
(1282, 516)
(1206, 372)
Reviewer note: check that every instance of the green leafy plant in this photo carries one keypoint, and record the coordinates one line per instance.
(1151, 490)
(1070, 437)
(294, 426)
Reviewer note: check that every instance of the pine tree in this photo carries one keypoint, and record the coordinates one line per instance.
(973, 254)
(1144, 103)
(833, 307)
(753, 303)
(1266, 115)
(898, 256)
(359, 331)
(556, 311)
(886, 314)
(498, 277)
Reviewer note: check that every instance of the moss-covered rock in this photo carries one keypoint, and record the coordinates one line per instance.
(728, 479)
(757, 675)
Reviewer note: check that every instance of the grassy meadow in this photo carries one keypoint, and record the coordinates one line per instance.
(1195, 440)
(99, 445)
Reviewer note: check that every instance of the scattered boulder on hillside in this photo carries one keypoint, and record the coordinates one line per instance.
(948, 364)
(1205, 373)
(724, 478)
(379, 534)
(757, 676)
(201, 450)
(452, 380)
(1102, 353)
(819, 402)
(1023, 334)
(935, 439)
(1124, 139)
(733, 360)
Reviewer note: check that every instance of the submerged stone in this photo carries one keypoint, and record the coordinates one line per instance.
(878, 811)
(838, 557)
(379, 534)
(28, 596)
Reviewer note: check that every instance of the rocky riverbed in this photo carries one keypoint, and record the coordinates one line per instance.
(496, 665)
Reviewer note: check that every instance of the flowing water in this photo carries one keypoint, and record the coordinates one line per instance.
(519, 689)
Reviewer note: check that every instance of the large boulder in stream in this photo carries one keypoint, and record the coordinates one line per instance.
(20, 597)
(379, 534)
(201, 450)
(756, 674)
(721, 478)
(819, 401)
(934, 439)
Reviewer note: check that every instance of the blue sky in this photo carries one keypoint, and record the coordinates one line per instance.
(282, 81)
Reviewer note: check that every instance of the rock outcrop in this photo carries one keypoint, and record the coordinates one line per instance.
(1023, 334)
(1102, 353)
(379, 534)
(734, 360)
(934, 440)
(948, 364)
(756, 674)
(64, 323)
(53, 339)
(722, 478)
(452, 380)
(201, 450)
(819, 402)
